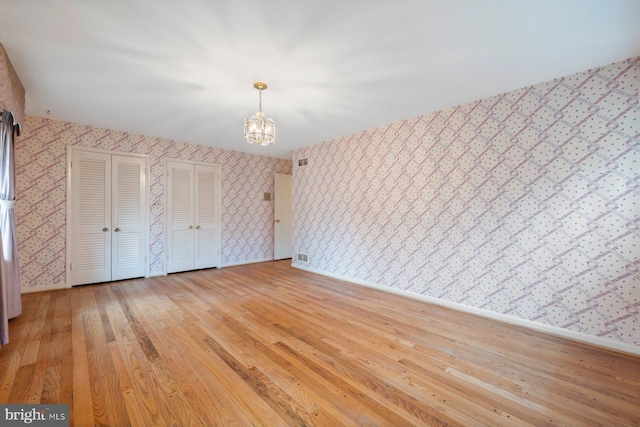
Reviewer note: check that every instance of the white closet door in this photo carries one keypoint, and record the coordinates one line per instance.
(91, 205)
(283, 213)
(128, 217)
(206, 206)
(180, 217)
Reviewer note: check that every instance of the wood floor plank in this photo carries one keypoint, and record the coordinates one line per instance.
(370, 357)
(371, 352)
(231, 411)
(104, 382)
(129, 397)
(42, 360)
(255, 409)
(328, 401)
(82, 405)
(268, 345)
(148, 394)
(59, 355)
(202, 394)
(21, 384)
(11, 354)
(31, 352)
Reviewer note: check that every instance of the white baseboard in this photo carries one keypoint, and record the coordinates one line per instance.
(553, 330)
(64, 286)
(33, 289)
(253, 261)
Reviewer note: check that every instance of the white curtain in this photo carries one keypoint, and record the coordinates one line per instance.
(10, 304)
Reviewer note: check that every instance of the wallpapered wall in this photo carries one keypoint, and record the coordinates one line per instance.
(247, 220)
(525, 204)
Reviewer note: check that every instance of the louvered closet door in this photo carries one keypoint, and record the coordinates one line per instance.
(128, 217)
(180, 217)
(206, 205)
(91, 204)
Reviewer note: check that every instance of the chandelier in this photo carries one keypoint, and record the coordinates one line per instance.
(258, 129)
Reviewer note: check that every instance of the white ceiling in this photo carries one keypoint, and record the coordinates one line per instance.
(185, 69)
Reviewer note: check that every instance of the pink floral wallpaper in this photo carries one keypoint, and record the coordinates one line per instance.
(247, 220)
(525, 204)
(11, 89)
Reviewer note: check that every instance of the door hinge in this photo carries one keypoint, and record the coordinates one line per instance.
(71, 266)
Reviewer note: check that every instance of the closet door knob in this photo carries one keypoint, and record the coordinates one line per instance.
(116, 230)
(198, 227)
(105, 229)
(191, 227)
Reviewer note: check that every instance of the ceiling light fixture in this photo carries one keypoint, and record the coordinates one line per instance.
(258, 129)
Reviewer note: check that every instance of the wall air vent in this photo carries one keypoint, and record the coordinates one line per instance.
(303, 258)
(303, 162)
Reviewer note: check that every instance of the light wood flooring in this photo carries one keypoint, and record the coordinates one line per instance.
(269, 345)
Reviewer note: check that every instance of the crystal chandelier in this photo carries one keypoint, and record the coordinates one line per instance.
(258, 129)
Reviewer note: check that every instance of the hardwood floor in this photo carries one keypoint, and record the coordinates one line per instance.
(265, 344)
